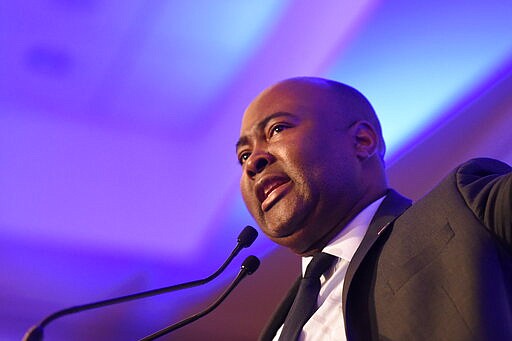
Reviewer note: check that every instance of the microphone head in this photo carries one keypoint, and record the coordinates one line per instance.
(247, 236)
(250, 264)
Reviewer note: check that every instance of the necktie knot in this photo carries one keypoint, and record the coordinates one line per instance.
(319, 265)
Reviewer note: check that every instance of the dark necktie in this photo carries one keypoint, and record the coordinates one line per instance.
(304, 304)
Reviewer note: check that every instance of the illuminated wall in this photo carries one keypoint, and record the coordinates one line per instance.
(118, 122)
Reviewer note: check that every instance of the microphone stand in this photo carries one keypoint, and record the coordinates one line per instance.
(245, 239)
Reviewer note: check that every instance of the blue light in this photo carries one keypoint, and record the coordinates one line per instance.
(414, 60)
(199, 40)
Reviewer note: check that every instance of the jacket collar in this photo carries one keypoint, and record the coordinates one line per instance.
(391, 208)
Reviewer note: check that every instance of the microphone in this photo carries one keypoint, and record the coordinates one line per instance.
(249, 266)
(244, 240)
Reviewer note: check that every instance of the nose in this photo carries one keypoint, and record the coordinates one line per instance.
(257, 162)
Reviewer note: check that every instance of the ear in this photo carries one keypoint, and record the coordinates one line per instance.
(366, 140)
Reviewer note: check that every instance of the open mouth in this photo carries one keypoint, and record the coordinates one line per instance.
(271, 189)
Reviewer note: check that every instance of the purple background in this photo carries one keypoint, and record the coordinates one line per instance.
(118, 121)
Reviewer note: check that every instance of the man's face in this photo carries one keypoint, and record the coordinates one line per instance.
(300, 173)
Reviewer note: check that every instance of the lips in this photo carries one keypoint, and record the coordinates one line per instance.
(270, 189)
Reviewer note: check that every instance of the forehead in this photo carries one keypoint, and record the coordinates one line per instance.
(301, 100)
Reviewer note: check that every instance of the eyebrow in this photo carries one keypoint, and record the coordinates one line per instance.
(244, 140)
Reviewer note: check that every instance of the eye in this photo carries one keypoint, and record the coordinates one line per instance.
(243, 157)
(277, 128)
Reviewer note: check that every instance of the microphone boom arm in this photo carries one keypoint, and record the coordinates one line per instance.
(245, 239)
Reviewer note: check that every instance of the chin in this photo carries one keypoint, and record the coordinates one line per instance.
(295, 241)
(279, 230)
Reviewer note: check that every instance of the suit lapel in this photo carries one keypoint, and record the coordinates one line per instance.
(392, 207)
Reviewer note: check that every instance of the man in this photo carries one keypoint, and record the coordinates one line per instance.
(313, 177)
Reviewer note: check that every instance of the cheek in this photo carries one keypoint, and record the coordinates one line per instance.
(249, 198)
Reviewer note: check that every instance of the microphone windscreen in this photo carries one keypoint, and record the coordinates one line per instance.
(250, 264)
(247, 236)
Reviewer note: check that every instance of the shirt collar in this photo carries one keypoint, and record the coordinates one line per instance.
(345, 244)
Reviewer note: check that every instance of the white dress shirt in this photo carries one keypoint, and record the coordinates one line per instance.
(327, 322)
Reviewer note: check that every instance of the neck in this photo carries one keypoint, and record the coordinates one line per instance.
(319, 245)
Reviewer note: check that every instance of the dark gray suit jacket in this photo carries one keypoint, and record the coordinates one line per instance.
(440, 269)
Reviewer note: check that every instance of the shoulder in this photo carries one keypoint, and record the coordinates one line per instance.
(481, 167)
(486, 187)
(478, 176)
